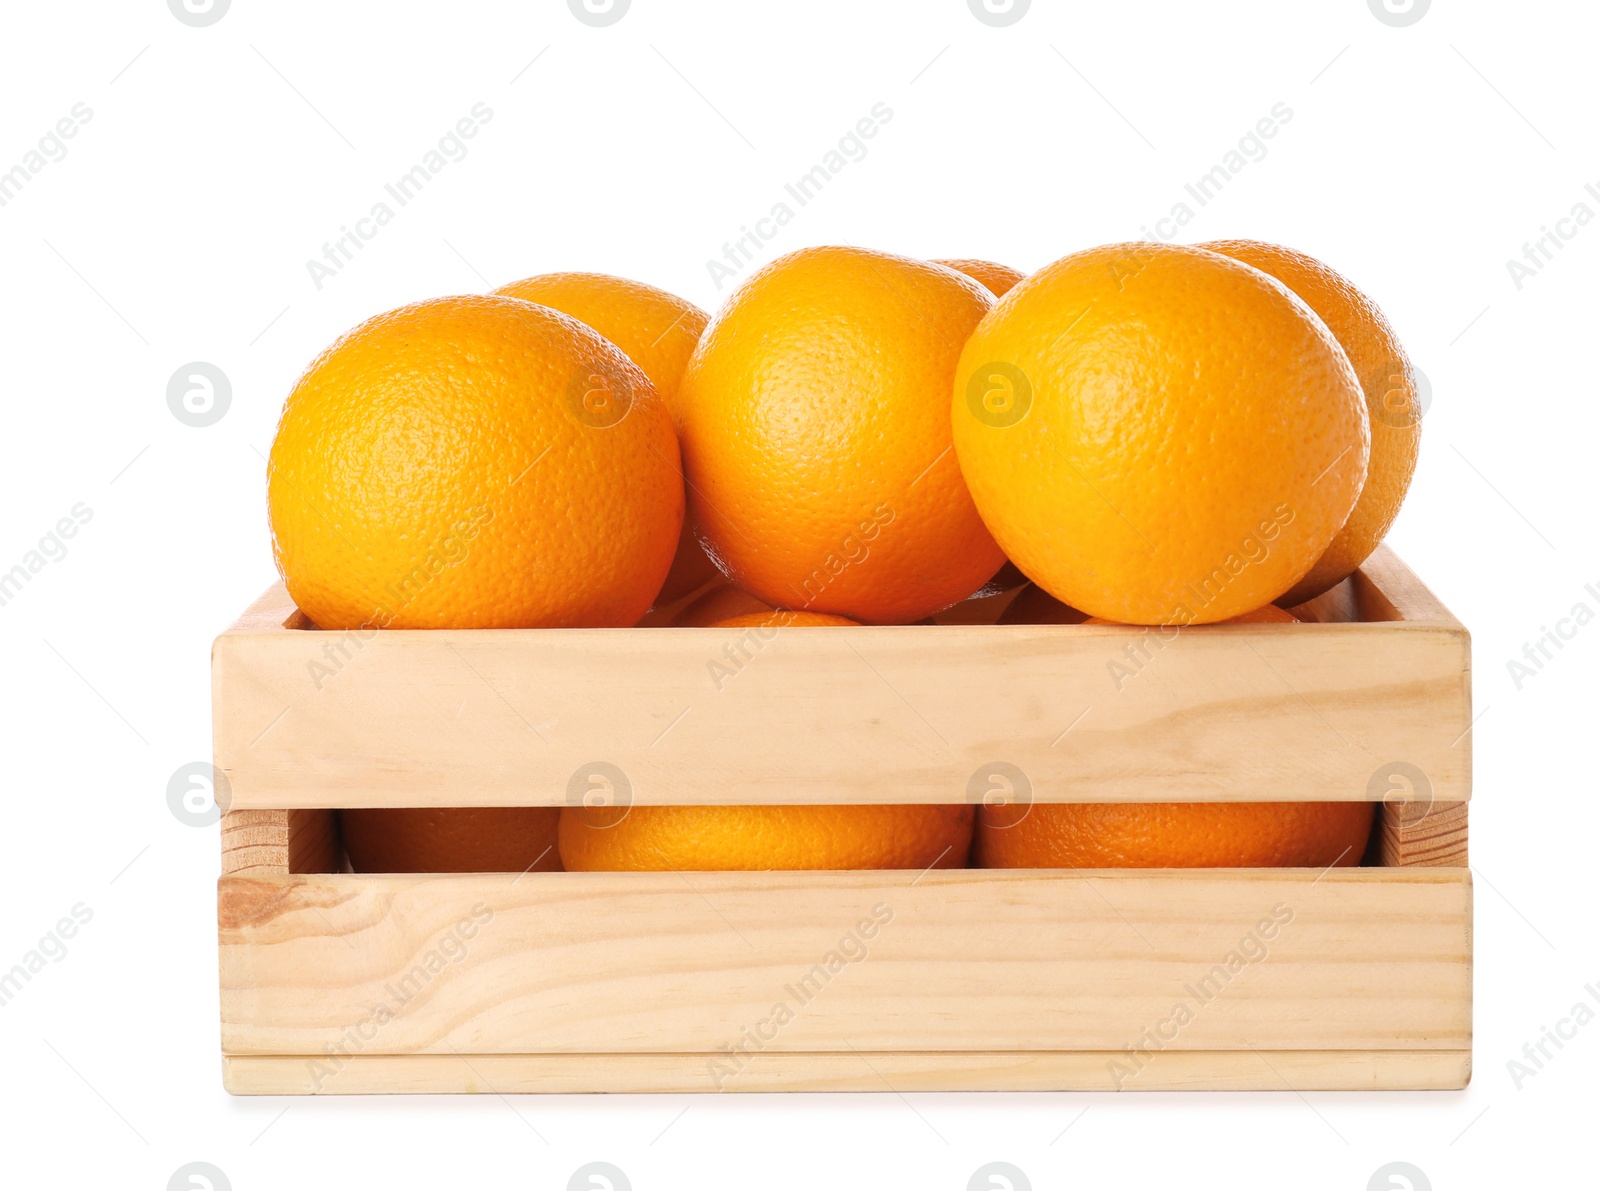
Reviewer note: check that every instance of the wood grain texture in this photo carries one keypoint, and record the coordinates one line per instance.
(1425, 833)
(964, 979)
(1387, 589)
(899, 714)
(851, 1071)
(297, 841)
(950, 960)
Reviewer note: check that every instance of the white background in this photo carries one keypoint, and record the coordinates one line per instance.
(177, 228)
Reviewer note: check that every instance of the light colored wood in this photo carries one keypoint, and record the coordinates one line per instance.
(1340, 604)
(1426, 833)
(897, 714)
(298, 841)
(970, 980)
(1383, 590)
(1390, 590)
(852, 1071)
(1360, 959)
(270, 613)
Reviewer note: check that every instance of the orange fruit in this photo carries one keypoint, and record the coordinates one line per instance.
(474, 462)
(708, 838)
(1173, 835)
(658, 332)
(997, 279)
(1266, 614)
(782, 619)
(1035, 605)
(508, 839)
(1389, 383)
(816, 436)
(1158, 434)
(718, 604)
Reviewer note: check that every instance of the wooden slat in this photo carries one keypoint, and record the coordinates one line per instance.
(966, 960)
(1390, 590)
(1383, 590)
(851, 1071)
(270, 613)
(897, 714)
(297, 841)
(1423, 833)
(1340, 604)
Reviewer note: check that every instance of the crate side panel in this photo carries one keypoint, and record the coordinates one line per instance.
(631, 962)
(910, 714)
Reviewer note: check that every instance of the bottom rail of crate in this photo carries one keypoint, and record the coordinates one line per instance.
(852, 1071)
(956, 979)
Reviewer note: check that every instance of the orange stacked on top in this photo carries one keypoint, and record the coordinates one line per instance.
(428, 466)
(816, 434)
(658, 332)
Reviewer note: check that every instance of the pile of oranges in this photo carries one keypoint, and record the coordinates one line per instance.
(1143, 434)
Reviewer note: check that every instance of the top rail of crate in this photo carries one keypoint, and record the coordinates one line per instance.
(1371, 697)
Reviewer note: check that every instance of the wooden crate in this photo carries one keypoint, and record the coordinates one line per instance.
(947, 979)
